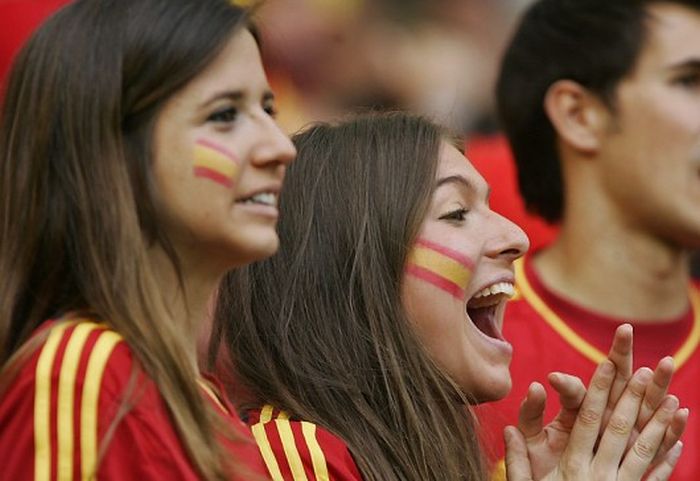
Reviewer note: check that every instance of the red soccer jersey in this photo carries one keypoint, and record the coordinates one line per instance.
(63, 402)
(549, 333)
(298, 450)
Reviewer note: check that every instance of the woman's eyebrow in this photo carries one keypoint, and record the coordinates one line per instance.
(454, 179)
(234, 95)
(462, 182)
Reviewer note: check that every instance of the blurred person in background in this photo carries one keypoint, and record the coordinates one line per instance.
(601, 104)
(436, 58)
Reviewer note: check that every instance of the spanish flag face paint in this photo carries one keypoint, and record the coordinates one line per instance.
(216, 163)
(440, 266)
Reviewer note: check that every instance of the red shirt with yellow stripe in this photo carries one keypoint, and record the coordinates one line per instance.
(296, 450)
(550, 333)
(63, 402)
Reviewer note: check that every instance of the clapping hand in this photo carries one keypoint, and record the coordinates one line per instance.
(624, 426)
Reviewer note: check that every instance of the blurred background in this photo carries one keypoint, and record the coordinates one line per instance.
(437, 57)
(328, 58)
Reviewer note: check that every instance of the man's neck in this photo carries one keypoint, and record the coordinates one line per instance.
(616, 271)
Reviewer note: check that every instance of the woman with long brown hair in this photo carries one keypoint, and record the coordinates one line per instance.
(139, 161)
(362, 342)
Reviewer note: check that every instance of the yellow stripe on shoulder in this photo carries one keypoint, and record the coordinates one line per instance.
(66, 398)
(318, 459)
(285, 429)
(97, 361)
(42, 401)
(263, 443)
(289, 445)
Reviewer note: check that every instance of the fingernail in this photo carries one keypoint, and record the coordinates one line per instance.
(677, 449)
(608, 367)
(670, 403)
(668, 358)
(507, 434)
(644, 375)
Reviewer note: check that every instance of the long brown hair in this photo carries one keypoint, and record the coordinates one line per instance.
(319, 329)
(78, 208)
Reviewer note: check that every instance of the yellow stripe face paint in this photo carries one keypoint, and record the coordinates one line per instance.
(216, 163)
(441, 266)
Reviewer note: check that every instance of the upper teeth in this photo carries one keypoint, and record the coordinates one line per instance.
(506, 288)
(267, 198)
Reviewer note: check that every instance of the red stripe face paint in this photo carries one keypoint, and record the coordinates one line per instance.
(216, 163)
(444, 268)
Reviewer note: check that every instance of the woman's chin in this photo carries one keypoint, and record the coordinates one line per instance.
(492, 392)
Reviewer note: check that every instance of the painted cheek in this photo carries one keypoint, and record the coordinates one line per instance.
(215, 163)
(440, 266)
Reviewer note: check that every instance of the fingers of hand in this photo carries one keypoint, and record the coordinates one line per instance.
(663, 471)
(571, 392)
(624, 416)
(640, 456)
(517, 461)
(621, 355)
(570, 388)
(530, 417)
(673, 433)
(656, 390)
(587, 425)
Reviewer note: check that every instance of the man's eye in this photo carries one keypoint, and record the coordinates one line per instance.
(457, 215)
(224, 115)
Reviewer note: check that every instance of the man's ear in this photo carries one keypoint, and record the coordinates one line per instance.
(579, 117)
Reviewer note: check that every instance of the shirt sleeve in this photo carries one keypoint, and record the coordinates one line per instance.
(302, 451)
(78, 408)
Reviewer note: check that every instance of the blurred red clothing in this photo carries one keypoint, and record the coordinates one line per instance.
(491, 156)
(18, 19)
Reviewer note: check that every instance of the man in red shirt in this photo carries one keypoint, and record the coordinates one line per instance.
(600, 101)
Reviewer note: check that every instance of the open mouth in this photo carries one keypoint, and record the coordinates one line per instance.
(263, 198)
(485, 308)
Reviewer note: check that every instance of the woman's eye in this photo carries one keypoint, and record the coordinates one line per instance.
(690, 80)
(224, 115)
(455, 215)
(271, 110)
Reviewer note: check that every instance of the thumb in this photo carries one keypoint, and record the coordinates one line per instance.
(517, 461)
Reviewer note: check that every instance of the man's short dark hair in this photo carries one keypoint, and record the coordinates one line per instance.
(593, 42)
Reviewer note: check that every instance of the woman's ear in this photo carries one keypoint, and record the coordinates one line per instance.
(578, 116)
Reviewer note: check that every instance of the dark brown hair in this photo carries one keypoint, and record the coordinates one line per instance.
(593, 42)
(319, 329)
(78, 210)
